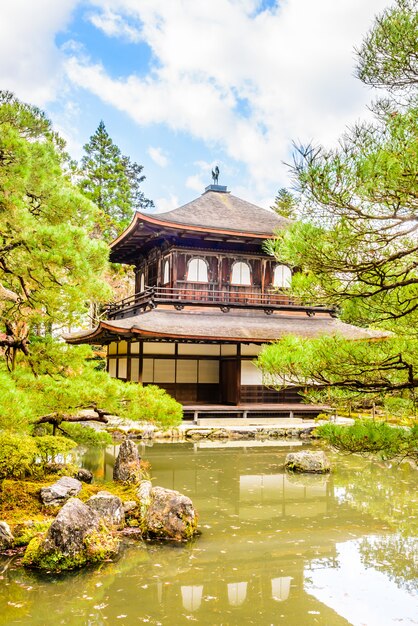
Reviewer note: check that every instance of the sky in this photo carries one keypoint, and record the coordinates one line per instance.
(183, 85)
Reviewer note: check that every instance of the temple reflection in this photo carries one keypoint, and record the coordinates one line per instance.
(271, 511)
(275, 548)
(192, 597)
(237, 593)
(280, 588)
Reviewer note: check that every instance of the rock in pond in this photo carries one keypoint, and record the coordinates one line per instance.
(59, 492)
(108, 507)
(84, 475)
(75, 538)
(309, 462)
(170, 515)
(6, 537)
(127, 466)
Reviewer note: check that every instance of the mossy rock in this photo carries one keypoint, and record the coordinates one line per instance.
(75, 538)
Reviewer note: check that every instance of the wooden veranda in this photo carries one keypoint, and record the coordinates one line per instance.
(244, 412)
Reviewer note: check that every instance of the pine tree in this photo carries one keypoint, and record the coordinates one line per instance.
(49, 264)
(112, 181)
(285, 204)
(357, 237)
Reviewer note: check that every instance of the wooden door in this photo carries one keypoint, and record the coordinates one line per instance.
(230, 381)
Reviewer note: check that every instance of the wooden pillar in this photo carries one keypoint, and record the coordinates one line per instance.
(238, 373)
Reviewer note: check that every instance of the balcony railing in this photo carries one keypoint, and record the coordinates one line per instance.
(180, 297)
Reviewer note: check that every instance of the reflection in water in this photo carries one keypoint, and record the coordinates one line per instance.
(361, 594)
(192, 597)
(280, 588)
(274, 549)
(237, 593)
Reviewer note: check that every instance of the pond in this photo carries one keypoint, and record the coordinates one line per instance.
(274, 549)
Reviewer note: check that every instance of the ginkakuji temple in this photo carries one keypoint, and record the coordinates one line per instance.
(207, 297)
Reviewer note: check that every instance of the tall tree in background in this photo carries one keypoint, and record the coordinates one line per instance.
(113, 182)
(50, 267)
(285, 204)
(49, 264)
(358, 237)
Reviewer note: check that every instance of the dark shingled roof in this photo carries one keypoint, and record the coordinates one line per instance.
(211, 325)
(223, 211)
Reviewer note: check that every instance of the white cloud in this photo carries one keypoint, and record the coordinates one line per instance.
(30, 63)
(114, 25)
(244, 81)
(248, 83)
(196, 183)
(158, 156)
(166, 203)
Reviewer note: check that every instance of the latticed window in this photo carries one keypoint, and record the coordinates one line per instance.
(197, 271)
(282, 276)
(241, 274)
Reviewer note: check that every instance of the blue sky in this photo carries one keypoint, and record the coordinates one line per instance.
(182, 85)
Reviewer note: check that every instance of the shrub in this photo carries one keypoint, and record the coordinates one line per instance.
(367, 436)
(50, 446)
(17, 455)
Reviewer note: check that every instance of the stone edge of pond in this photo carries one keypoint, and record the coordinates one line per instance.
(119, 429)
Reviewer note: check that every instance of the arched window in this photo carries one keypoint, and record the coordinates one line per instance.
(142, 282)
(197, 271)
(166, 274)
(241, 274)
(282, 276)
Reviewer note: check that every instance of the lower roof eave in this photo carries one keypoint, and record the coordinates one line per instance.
(237, 327)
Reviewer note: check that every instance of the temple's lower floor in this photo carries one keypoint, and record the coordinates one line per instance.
(198, 373)
(202, 356)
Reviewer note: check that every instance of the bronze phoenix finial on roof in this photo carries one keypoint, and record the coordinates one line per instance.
(215, 175)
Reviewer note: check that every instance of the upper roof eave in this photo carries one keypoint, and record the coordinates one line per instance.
(176, 226)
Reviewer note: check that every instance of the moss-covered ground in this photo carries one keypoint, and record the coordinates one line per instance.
(20, 503)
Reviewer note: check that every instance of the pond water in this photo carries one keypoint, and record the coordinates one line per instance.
(274, 549)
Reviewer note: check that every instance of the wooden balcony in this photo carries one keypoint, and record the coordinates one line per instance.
(205, 295)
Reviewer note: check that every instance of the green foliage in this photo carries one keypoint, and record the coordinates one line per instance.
(15, 407)
(112, 181)
(24, 533)
(22, 455)
(389, 54)
(357, 239)
(48, 447)
(285, 204)
(367, 436)
(67, 381)
(86, 435)
(342, 371)
(17, 455)
(49, 265)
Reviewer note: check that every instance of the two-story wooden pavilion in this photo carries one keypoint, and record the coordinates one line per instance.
(207, 297)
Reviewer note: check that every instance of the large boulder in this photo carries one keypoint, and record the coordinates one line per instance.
(6, 537)
(108, 507)
(127, 466)
(309, 462)
(76, 537)
(59, 492)
(170, 515)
